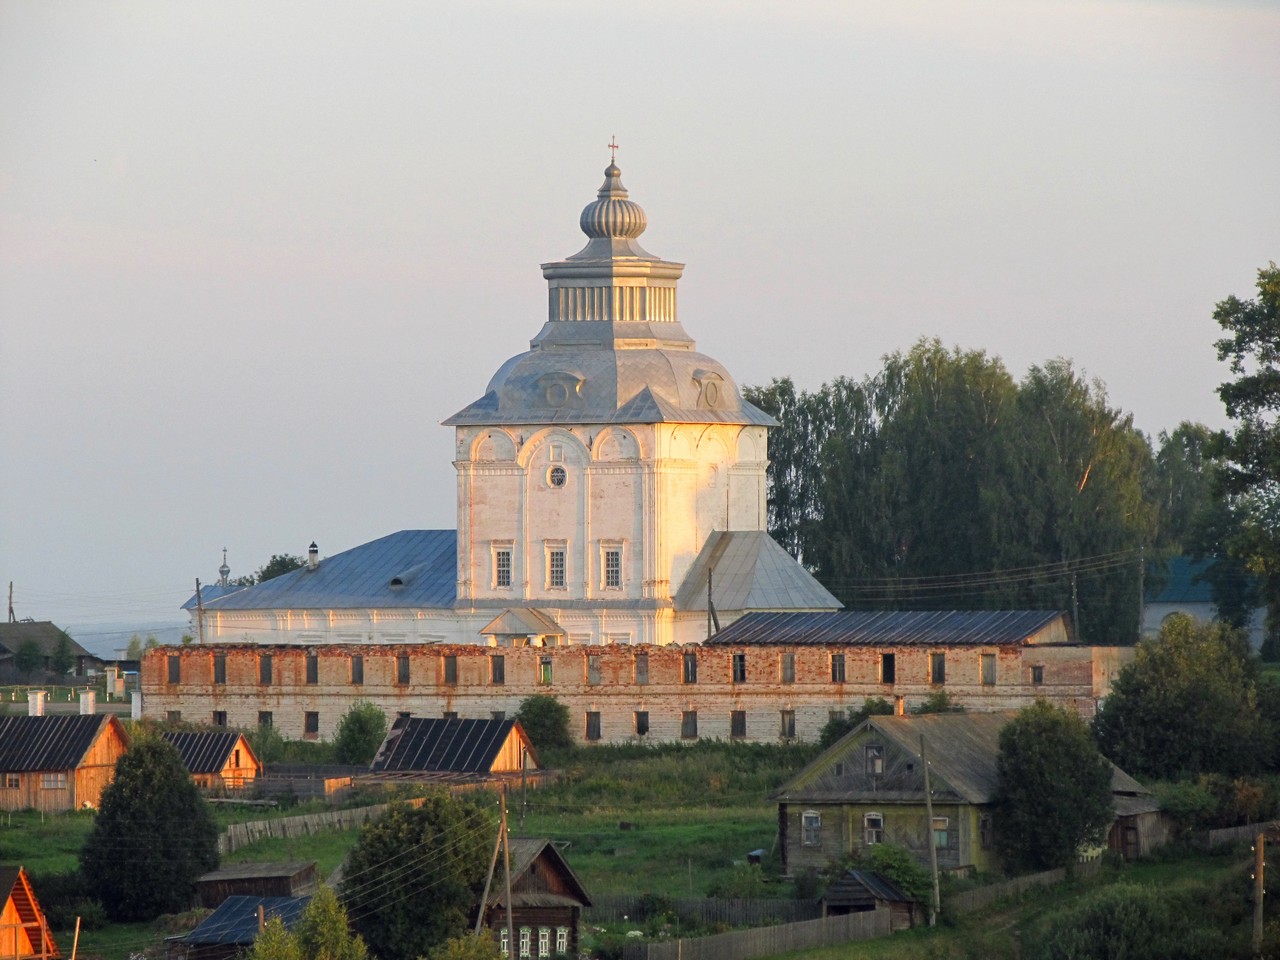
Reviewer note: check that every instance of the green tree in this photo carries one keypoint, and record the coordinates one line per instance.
(415, 876)
(27, 659)
(322, 933)
(277, 566)
(276, 943)
(470, 946)
(360, 732)
(63, 659)
(546, 722)
(152, 836)
(839, 725)
(1054, 791)
(1186, 705)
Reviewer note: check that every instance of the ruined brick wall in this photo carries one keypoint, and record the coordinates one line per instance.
(760, 694)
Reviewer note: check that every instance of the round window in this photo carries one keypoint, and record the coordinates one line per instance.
(556, 476)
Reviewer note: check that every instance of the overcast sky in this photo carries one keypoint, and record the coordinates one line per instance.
(252, 253)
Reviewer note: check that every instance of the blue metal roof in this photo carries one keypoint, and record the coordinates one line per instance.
(212, 591)
(1184, 584)
(235, 922)
(887, 628)
(411, 568)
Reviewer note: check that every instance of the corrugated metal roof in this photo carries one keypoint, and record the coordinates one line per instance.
(207, 752)
(213, 591)
(235, 922)
(888, 628)
(32, 744)
(410, 568)
(429, 744)
(1184, 584)
(243, 871)
(750, 571)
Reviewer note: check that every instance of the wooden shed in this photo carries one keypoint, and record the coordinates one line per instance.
(217, 760)
(24, 932)
(547, 900)
(859, 891)
(476, 747)
(58, 763)
(294, 878)
(232, 928)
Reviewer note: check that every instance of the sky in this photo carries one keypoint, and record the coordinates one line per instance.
(252, 253)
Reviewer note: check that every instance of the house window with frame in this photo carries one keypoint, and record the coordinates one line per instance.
(402, 669)
(313, 668)
(739, 668)
(357, 669)
(265, 718)
(737, 724)
(642, 723)
(593, 724)
(1037, 675)
(811, 829)
(787, 724)
(986, 836)
(504, 945)
(987, 662)
(502, 567)
(562, 940)
(888, 668)
(690, 668)
(53, 780)
(593, 668)
(642, 669)
(526, 941)
(12, 781)
(612, 568)
(264, 669)
(544, 941)
(175, 668)
(556, 578)
(837, 668)
(937, 668)
(689, 725)
(941, 832)
(498, 669)
(450, 669)
(875, 759)
(220, 669)
(787, 668)
(311, 725)
(872, 829)
(219, 718)
(544, 671)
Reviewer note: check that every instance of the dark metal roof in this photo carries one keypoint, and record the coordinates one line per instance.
(410, 568)
(43, 633)
(32, 744)
(244, 871)
(887, 628)
(454, 746)
(235, 922)
(207, 752)
(1185, 582)
(862, 888)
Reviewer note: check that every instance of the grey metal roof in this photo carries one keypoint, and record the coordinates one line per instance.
(244, 871)
(235, 922)
(524, 852)
(32, 744)
(862, 888)
(1184, 583)
(888, 628)
(522, 622)
(207, 752)
(429, 744)
(410, 568)
(751, 571)
(44, 634)
(213, 591)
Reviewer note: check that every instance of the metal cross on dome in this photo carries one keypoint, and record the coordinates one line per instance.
(613, 148)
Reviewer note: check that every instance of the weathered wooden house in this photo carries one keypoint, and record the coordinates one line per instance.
(475, 748)
(293, 878)
(58, 763)
(858, 891)
(547, 901)
(232, 928)
(44, 638)
(24, 931)
(868, 788)
(217, 760)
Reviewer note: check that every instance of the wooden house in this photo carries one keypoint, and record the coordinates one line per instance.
(294, 878)
(45, 638)
(859, 891)
(58, 763)
(427, 745)
(24, 932)
(217, 760)
(868, 788)
(232, 928)
(547, 901)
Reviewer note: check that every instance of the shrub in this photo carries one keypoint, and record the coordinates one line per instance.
(546, 721)
(838, 726)
(360, 733)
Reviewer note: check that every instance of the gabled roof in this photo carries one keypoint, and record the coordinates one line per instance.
(1184, 583)
(750, 571)
(433, 745)
(235, 922)
(522, 622)
(889, 628)
(15, 886)
(863, 888)
(209, 752)
(525, 851)
(213, 591)
(43, 633)
(410, 568)
(34, 744)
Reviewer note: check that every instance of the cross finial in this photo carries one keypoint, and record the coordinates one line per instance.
(613, 149)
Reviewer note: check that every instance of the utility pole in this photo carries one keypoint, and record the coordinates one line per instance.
(199, 612)
(12, 618)
(936, 906)
(1075, 608)
(506, 855)
(488, 881)
(1142, 579)
(1259, 888)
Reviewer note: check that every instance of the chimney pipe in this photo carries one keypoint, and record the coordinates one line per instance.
(313, 556)
(88, 703)
(35, 703)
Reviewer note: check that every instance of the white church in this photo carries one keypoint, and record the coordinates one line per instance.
(611, 489)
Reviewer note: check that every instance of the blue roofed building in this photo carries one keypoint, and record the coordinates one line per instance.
(1185, 589)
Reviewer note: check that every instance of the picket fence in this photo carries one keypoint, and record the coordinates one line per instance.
(766, 941)
(616, 908)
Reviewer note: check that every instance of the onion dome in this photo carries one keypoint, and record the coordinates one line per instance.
(612, 215)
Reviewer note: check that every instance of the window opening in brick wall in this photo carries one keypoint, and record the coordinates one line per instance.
(593, 668)
(544, 670)
(1037, 675)
(450, 715)
(173, 716)
(937, 668)
(739, 668)
(502, 568)
(690, 668)
(787, 724)
(498, 715)
(642, 669)
(219, 718)
(357, 669)
(555, 569)
(450, 669)
(642, 722)
(737, 724)
(593, 725)
(787, 668)
(402, 669)
(313, 668)
(265, 719)
(988, 669)
(310, 725)
(888, 668)
(220, 668)
(175, 668)
(837, 668)
(264, 669)
(498, 669)
(689, 725)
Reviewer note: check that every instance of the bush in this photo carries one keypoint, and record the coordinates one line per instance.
(838, 726)
(546, 722)
(898, 865)
(360, 733)
(746, 882)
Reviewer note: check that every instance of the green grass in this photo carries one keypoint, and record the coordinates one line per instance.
(327, 849)
(43, 844)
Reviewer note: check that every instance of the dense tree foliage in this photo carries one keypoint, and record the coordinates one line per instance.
(840, 724)
(942, 482)
(63, 659)
(1055, 788)
(152, 837)
(471, 946)
(360, 732)
(277, 566)
(27, 659)
(415, 876)
(323, 933)
(1186, 705)
(546, 721)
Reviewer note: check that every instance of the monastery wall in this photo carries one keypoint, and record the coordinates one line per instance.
(615, 693)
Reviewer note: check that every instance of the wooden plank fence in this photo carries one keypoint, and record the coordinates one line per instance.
(242, 834)
(1215, 838)
(615, 908)
(980, 898)
(766, 941)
